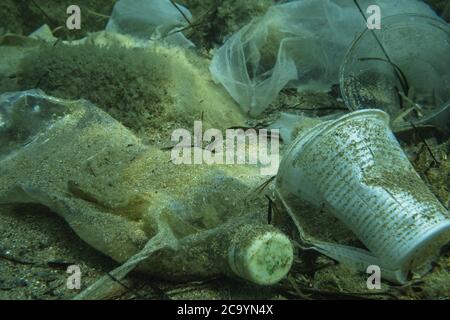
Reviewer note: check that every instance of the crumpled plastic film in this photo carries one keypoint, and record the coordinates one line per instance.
(354, 168)
(150, 20)
(130, 201)
(298, 44)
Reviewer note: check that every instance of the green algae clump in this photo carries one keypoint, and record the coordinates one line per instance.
(126, 83)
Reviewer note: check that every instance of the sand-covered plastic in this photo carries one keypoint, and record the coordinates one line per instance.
(354, 168)
(297, 44)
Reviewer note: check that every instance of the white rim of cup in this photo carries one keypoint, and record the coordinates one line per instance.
(313, 133)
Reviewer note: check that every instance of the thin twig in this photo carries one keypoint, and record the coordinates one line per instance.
(182, 29)
(9, 257)
(125, 286)
(319, 109)
(269, 210)
(104, 16)
(404, 86)
(297, 289)
(181, 11)
(264, 185)
(50, 19)
(426, 144)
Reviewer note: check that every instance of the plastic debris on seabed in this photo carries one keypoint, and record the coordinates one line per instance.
(151, 20)
(354, 168)
(298, 44)
(129, 201)
(409, 80)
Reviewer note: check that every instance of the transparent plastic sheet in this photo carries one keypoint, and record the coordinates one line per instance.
(298, 44)
(150, 20)
(128, 201)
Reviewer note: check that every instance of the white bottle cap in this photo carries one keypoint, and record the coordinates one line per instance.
(262, 258)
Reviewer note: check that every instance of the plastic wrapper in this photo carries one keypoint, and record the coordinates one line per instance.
(129, 201)
(410, 80)
(150, 20)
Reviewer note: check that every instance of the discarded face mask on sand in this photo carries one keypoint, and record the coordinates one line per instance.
(354, 168)
(127, 200)
(298, 44)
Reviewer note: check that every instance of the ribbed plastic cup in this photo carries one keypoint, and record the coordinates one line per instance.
(356, 168)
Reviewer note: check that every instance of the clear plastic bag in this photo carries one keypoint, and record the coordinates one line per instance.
(130, 201)
(150, 20)
(298, 44)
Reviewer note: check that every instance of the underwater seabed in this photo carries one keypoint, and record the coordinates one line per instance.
(89, 183)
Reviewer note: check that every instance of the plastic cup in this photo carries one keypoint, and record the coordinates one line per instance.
(355, 167)
(403, 69)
